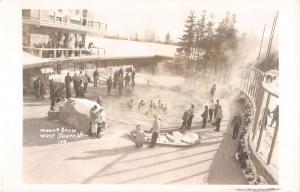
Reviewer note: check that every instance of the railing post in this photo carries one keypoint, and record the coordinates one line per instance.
(273, 142)
(263, 122)
(40, 53)
(258, 110)
(54, 53)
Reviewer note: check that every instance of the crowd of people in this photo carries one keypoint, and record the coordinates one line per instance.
(63, 44)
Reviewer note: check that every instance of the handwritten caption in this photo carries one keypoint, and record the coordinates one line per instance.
(62, 135)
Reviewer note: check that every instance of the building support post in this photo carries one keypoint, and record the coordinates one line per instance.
(263, 123)
(273, 143)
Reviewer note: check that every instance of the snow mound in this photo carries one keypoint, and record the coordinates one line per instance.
(76, 114)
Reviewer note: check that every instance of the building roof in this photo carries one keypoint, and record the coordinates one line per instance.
(30, 61)
(116, 48)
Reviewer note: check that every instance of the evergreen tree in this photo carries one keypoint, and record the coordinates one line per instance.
(200, 36)
(208, 44)
(187, 40)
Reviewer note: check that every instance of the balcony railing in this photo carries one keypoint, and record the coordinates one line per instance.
(57, 53)
(65, 20)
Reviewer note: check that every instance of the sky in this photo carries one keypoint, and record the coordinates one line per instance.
(163, 18)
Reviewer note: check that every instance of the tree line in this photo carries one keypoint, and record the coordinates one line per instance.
(204, 44)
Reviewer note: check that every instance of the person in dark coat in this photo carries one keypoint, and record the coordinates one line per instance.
(53, 97)
(211, 110)
(37, 87)
(121, 82)
(185, 117)
(116, 74)
(237, 123)
(68, 80)
(127, 82)
(121, 72)
(275, 117)
(51, 86)
(133, 78)
(109, 83)
(85, 80)
(204, 116)
(96, 77)
(43, 89)
(216, 108)
(76, 84)
(190, 119)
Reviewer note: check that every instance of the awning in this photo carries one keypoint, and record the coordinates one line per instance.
(47, 70)
(31, 61)
(115, 48)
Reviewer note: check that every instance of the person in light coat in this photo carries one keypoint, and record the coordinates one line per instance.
(219, 117)
(155, 130)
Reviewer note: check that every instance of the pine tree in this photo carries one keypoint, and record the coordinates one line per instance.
(188, 38)
(200, 36)
(208, 44)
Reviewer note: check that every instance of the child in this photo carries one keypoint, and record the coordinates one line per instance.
(139, 136)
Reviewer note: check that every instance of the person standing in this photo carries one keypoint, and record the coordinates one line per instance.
(275, 117)
(263, 121)
(51, 86)
(185, 118)
(121, 72)
(43, 88)
(127, 81)
(109, 83)
(191, 116)
(68, 80)
(211, 110)
(37, 87)
(101, 122)
(155, 129)
(80, 79)
(237, 123)
(212, 90)
(93, 121)
(219, 117)
(96, 77)
(204, 116)
(54, 97)
(76, 84)
(116, 74)
(121, 82)
(86, 80)
(133, 78)
(216, 108)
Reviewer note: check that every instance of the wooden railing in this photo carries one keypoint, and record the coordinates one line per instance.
(64, 52)
(68, 21)
(252, 83)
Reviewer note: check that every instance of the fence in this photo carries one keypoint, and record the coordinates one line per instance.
(64, 52)
(252, 83)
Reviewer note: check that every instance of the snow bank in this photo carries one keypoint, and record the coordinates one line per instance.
(76, 114)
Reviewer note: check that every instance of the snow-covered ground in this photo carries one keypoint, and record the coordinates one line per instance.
(113, 158)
